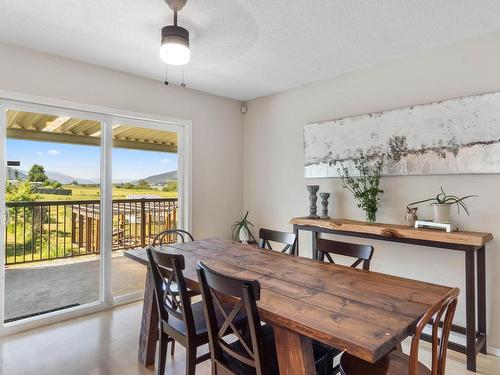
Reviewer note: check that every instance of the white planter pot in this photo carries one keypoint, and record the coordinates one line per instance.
(441, 213)
(244, 236)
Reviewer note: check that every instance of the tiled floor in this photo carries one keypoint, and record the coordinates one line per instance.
(106, 343)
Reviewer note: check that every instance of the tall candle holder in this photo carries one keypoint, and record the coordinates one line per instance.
(312, 189)
(324, 204)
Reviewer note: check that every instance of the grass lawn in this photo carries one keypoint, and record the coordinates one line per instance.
(93, 193)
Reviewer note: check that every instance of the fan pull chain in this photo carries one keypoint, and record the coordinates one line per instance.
(183, 84)
(166, 75)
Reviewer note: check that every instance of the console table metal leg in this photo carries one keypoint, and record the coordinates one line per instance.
(481, 297)
(470, 303)
(313, 245)
(296, 231)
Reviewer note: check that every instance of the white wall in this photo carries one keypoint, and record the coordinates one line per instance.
(217, 124)
(275, 189)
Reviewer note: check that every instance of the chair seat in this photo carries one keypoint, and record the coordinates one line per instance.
(175, 290)
(269, 350)
(271, 360)
(323, 348)
(199, 321)
(394, 363)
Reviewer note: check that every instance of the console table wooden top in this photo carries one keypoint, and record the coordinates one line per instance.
(478, 239)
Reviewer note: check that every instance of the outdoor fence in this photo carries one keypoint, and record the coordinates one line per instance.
(61, 229)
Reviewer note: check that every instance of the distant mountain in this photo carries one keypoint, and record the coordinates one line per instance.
(162, 178)
(65, 179)
(14, 174)
(157, 179)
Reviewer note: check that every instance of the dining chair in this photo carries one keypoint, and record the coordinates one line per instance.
(398, 363)
(363, 253)
(254, 350)
(180, 320)
(266, 236)
(181, 235)
(169, 234)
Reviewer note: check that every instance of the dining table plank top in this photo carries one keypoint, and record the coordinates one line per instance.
(363, 312)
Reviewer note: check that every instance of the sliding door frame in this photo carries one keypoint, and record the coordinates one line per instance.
(107, 117)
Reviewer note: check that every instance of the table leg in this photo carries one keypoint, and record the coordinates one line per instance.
(481, 295)
(149, 324)
(296, 231)
(470, 304)
(295, 353)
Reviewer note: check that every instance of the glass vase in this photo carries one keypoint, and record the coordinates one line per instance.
(371, 216)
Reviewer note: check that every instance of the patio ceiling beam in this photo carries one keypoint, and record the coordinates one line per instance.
(87, 140)
(98, 133)
(51, 126)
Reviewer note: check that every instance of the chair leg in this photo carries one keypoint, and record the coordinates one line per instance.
(190, 360)
(329, 364)
(162, 355)
(172, 347)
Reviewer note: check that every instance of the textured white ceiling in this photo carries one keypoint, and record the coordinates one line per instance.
(243, 49)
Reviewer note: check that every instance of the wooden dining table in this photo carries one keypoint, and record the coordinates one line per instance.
(362, 312)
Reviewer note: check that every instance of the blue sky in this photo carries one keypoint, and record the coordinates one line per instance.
(83, 161)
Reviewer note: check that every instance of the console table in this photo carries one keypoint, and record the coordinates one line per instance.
(470, 243)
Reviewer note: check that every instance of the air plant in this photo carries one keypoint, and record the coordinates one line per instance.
(242, 223)
(443, 198)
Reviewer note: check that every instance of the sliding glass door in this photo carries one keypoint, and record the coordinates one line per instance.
(52, 199)
(79, 189)
(145, 195)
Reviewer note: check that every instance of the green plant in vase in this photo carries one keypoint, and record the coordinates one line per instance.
(442, 203)
(366, 186)
(241, 230)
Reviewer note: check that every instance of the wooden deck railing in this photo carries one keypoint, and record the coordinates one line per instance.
(60, 229)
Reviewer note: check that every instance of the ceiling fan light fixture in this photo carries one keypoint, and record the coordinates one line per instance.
(174, 48)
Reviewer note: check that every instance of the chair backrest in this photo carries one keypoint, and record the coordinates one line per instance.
(166, 270)
(170, 236)
(288, 239)
(245, 293)
(363, 253)
(445, 308)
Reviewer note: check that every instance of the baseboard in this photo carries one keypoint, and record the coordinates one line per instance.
(492, 350)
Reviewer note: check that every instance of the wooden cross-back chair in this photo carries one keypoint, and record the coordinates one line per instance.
(171, 235)
(266, 236)
(363, 253)
(180, 320)
(398, 363)
(254, 351)
(246, 354)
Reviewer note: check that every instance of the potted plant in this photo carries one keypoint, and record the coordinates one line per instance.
(441, 205)
(241, 230)
(366, 186)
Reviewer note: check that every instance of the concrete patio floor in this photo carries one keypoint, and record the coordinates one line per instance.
(35, 288)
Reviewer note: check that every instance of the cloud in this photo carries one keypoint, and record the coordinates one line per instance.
(165, 161)
(53, 152)
(39, 153)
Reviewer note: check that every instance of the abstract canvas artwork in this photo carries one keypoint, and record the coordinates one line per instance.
(457, 136)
